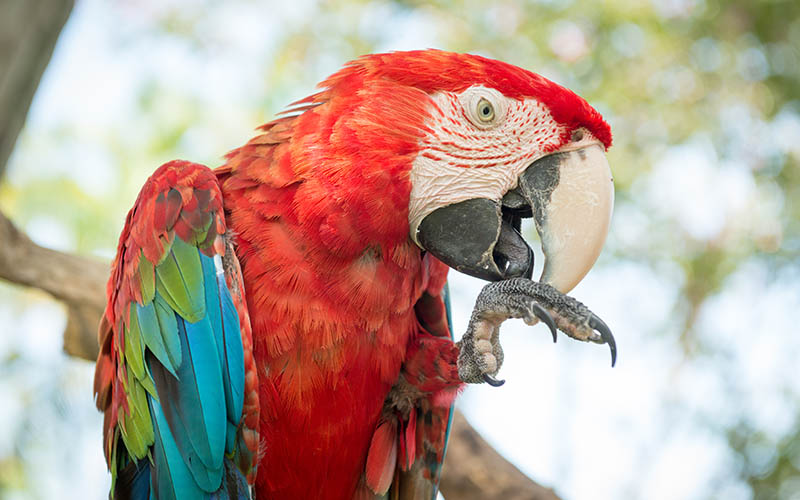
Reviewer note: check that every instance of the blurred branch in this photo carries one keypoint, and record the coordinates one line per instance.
(29, 30)
(474, 470)
(77, 281)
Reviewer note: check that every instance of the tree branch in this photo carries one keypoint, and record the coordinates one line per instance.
(473, 469)
(77, 281)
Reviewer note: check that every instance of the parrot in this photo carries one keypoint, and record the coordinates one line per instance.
(278, 327)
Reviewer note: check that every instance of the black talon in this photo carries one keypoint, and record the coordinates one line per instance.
(545, 317)
(599, 325)
(492, 381)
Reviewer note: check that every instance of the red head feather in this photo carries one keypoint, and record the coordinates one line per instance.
(436, 70)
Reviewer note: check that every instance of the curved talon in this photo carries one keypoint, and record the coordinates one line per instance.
(545, 317)
(599, 325)
(492, 381)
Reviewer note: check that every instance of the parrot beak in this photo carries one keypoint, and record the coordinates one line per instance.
(475, 238)
(569, 194)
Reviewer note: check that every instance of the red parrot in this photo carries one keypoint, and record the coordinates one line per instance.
(277, 327)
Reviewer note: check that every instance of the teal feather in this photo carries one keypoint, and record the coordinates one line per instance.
(172, 479)
(225, 321)
(438, 471)
(230, 437)
(234, 354)
(194, 403)
(211, 292)
(446, 299)
(208, 373)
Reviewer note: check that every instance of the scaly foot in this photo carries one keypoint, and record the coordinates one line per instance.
(481, 355)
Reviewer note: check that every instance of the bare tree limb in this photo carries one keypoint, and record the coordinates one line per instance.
(29, 30)
(70, 278)
(473, 469)
(77, 281)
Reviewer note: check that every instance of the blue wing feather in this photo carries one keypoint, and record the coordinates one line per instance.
(225, 322)
(233, 355)
(210, 394)
(193, 403)
(172, 479)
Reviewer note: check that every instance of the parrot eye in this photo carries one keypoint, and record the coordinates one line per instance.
(485, 111)
(486, 108)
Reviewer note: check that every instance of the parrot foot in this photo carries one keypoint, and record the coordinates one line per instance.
(481, 355)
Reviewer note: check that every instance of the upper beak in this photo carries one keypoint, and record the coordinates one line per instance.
(569, 194)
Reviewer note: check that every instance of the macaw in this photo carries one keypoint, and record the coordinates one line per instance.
(278, 327)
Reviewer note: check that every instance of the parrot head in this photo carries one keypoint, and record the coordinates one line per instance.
(487, 144)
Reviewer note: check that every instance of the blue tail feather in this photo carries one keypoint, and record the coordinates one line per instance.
(234, 355)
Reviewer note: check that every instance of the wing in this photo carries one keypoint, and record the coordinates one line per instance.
(175, 375)
(408, 446)
(428, 427)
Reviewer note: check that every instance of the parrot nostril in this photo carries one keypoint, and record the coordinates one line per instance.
(577, 135)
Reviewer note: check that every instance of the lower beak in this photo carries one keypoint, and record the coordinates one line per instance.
(570, 195)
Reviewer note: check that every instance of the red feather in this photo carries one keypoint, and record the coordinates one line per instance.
(382, 458)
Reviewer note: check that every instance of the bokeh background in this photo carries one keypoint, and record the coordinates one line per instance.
(700, 278)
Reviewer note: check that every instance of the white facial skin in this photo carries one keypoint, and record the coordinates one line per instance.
(463, 157)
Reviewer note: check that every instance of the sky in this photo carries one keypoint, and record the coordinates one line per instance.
(644, 429)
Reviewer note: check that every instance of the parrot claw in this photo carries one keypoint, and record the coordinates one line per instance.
(492, 381)
(606, 337)
(542, 314)
(481, 355)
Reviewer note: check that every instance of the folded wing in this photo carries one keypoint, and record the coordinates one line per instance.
(180, 418)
